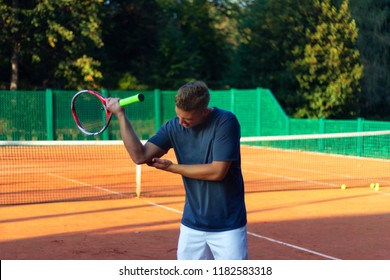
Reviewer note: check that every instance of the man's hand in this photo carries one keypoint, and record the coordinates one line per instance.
(160, 163)
(113, 106)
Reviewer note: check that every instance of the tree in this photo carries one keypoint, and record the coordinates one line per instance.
(130, 33)
(14, 35)
(193, 43)
(372, 18)
(270, 30)
(328, 68)
(165, 43)
(53, 41)
(305, 52)
(191, 46)
(71, 37)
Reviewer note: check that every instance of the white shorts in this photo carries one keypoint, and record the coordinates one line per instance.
(204, 245)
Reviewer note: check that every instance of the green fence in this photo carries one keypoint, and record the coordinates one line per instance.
(46, 115)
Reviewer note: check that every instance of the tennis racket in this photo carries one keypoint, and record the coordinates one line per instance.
(90, 112)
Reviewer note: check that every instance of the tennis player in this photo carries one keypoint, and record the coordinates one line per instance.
(206, 141)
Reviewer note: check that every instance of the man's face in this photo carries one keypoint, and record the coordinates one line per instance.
(191, 119)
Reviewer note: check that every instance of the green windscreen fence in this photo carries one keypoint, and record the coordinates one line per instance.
(46, 115)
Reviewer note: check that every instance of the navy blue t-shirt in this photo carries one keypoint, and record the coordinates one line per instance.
(210, 205)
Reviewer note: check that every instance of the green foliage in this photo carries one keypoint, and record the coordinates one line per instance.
(272, 29)
(80, 73)
(305, 52)
(130, 36)
(309, 53)
(372, 18)
(129, 82)
(56, 39)
(166, 43)
(328, 68)
(71, 36)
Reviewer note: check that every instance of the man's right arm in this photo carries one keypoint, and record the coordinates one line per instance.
(138, 152)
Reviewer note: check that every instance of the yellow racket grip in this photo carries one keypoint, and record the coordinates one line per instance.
(132, 99)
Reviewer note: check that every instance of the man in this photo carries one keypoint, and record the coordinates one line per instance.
(206, 142)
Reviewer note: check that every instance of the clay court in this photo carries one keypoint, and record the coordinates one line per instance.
(296, 208)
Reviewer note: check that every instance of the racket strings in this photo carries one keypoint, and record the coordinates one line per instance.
(91, 112)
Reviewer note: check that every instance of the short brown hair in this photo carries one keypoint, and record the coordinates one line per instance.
(193, 96)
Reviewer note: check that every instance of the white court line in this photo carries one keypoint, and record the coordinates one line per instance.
(292, 178)
(255, 235)
(181, 212)
(311, 181)
(301, 169)
(162, 206)
(293, 246)
(84, 184)
(344, 175)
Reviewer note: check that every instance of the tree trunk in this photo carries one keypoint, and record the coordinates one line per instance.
(14, 67)
(15, 53)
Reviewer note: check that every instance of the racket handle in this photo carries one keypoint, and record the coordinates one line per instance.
(132, 99)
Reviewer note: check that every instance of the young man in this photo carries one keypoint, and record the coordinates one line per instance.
(206, 142)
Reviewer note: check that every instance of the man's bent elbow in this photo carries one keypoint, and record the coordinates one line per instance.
(220, 172)
(141, 161)
(218, 176)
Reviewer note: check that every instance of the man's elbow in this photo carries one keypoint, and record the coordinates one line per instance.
(218, 176)
(140, 160)
(220, 171)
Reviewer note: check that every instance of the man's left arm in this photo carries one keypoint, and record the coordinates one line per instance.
(214, 171)
(226, 149)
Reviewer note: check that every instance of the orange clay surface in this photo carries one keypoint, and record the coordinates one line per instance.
(296, 208)
(290, 225)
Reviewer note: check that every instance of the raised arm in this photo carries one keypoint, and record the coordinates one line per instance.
(138, 152)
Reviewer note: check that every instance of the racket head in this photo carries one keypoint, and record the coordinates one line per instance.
(90, 112)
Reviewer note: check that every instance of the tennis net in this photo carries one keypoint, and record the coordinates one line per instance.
(53, 171)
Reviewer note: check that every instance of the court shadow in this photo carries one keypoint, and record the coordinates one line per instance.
(364, 237)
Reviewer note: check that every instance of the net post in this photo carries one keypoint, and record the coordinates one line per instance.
(106, 133)
(49, 114)
(138, 172)
(157, 109)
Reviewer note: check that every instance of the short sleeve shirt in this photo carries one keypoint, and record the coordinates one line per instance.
(209, 205)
